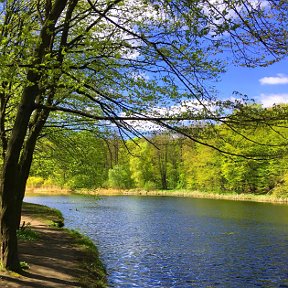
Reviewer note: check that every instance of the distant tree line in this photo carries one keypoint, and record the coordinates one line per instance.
(165, 160)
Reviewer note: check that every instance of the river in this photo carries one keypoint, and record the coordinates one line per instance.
(180, 242)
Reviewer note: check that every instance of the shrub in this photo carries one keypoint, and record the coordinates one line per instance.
(35, 181)
(150, 185)
(26, 233)
(119, 177)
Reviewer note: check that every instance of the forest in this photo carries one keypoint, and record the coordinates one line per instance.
(90, 159)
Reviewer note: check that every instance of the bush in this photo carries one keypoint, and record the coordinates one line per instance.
(80, 181)
(120, 178)
(35, 181)
(150, 185)
(26, 233)
(281, 189)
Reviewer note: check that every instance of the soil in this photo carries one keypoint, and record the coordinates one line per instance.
(54, 259)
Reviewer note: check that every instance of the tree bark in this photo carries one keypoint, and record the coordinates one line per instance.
(17, 161)
(9, 247)
(162, 160)
(10, 174)
(26, 161)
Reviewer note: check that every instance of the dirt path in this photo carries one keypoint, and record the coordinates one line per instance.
(54, 260)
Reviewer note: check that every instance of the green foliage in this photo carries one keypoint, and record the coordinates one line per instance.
(149, 186)
(97, 71)
(75, 160)
(281, 189)
(35, 181)
(201, 168)
(27, 234)
(24, 265)
(119, 177)
(142, 164)
(171, 162)
(70, 65)
(95, 273)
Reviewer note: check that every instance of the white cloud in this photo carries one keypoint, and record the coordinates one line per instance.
(268, 100)
(140, 76)
(260, 4)
(223, 7)
(279, 79)
(186, 106)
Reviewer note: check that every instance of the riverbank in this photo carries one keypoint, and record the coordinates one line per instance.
(52, 256)
(162, 193)
(185, 193)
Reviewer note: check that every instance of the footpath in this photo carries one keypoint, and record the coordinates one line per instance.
(55, 259)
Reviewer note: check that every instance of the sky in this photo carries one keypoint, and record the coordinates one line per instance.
(268, 85)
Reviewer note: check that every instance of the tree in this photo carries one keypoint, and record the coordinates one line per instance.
(111, 61)
(248, 175)
(119, 177)
(76, 159)
(201, 168)
(142, 166)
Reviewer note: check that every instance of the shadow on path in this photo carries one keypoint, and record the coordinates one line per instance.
(53, 261)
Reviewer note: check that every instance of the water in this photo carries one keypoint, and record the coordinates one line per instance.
(182, 242)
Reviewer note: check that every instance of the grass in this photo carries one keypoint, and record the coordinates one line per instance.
(194, 194)
(95, 273)
(25, 233)
(49, 215)
(275, 197)
(230, 196)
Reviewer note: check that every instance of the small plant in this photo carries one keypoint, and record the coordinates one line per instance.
(26, 233)
(24, 265)
(150, 186)
(57, 223)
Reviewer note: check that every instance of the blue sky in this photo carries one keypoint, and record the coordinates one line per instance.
(266, 85)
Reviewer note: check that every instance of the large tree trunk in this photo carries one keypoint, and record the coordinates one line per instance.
(26, 160)
(15, 174)
(10, 174)
(9, 247)
(14, 178)
(18, 157)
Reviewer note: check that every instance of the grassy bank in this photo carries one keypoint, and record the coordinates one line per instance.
(48, 215)
(93, 273)
(271, 198)
(185, 193)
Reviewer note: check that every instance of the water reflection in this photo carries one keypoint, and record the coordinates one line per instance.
(177, 242)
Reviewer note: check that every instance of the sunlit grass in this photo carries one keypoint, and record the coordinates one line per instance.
(193, 194)
(42, 212)
(27, 234)
(95, 276)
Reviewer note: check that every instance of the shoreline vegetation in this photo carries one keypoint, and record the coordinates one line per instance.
(51, 255)
(268, 198)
